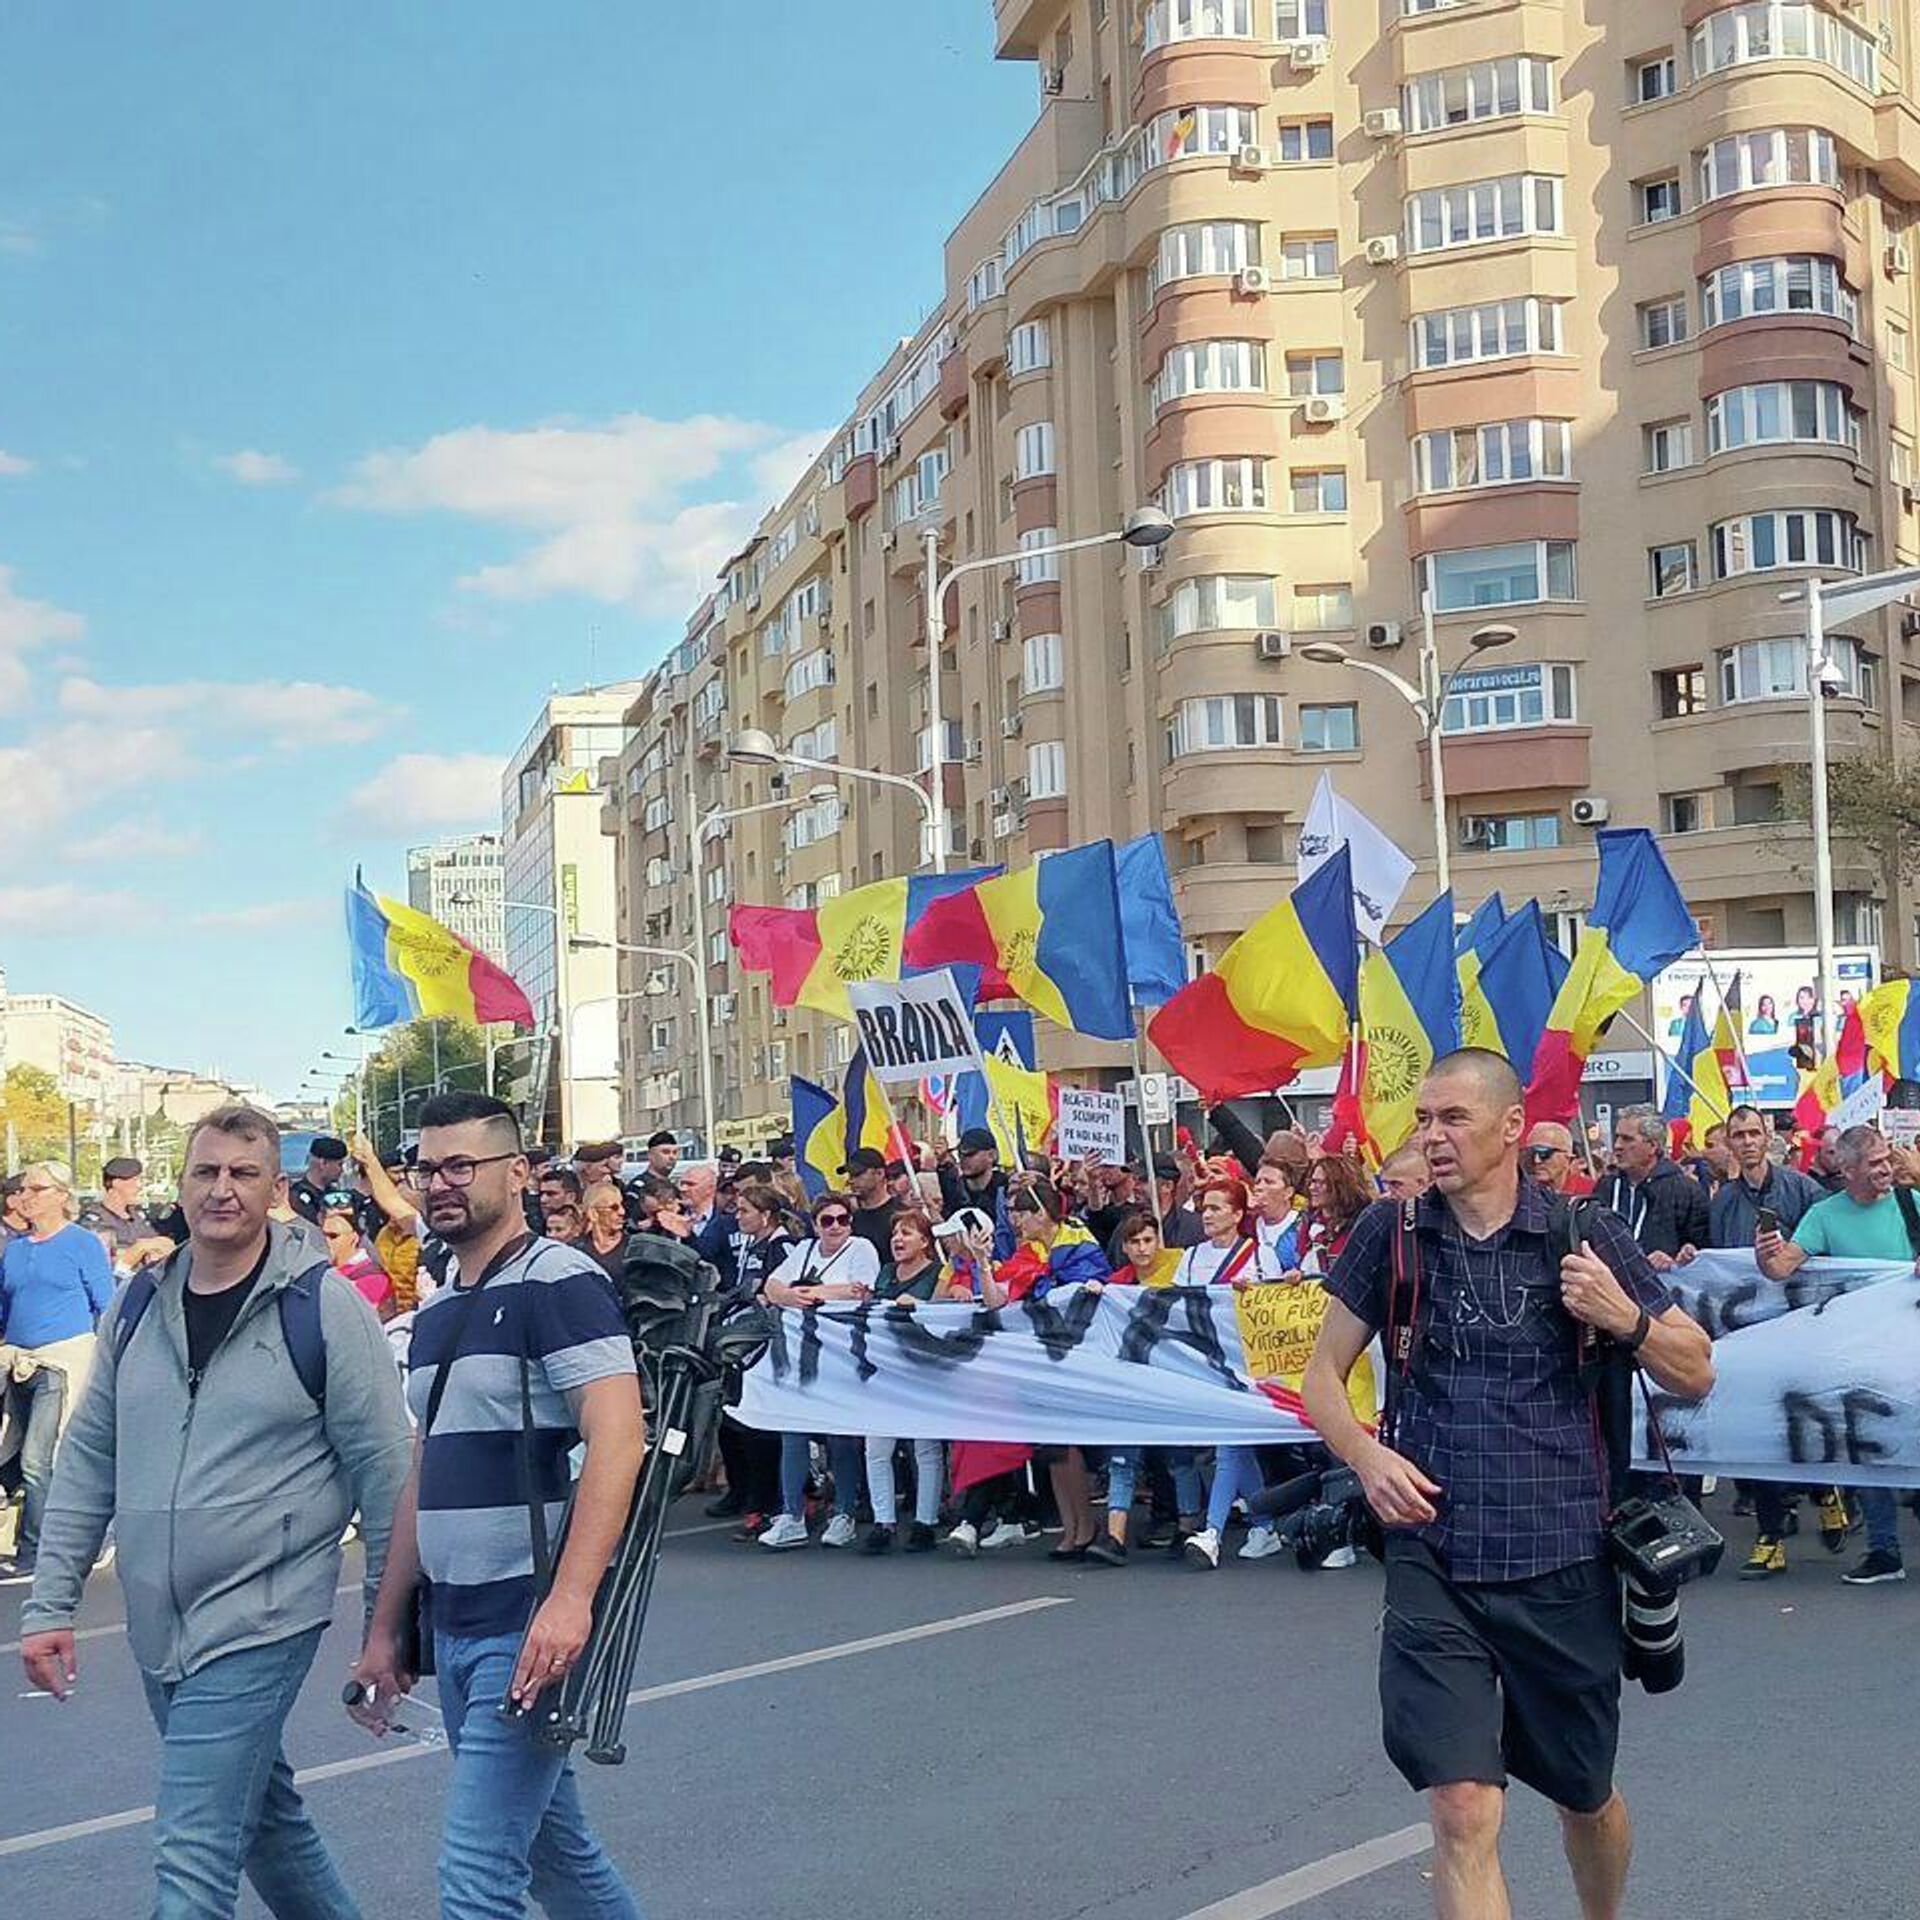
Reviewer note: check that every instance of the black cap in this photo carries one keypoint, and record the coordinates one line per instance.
(865, 1160)
(664, 1138)
(979, 1140)
(780, 1147)
(326, 1147)
(1166, 1167)
(897, 1167)
(121, 1169)
(730, 1156)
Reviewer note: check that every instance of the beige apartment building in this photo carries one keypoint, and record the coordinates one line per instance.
(1597, 323)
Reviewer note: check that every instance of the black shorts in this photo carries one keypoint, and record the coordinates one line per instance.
(1521, 1677)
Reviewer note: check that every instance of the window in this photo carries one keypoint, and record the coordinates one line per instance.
(1756, 803)
(1667, 445)
(657, 814)
(1209, 366)
(660, 1036)
(1181, 133)
(1510, 832)
(1042, 567)
(1656, 200)
(1671, 569)
(1318, 489)
(809, 672)
(1323, 609)
(1683, 812)
(1773, 157)
(1223, 721)
(1168, 21)
(1494, 699)
(983, 283)
(1214, 486)
(1045, 668)
(1897, 355)
(1226, 602)
(1033, 451)
(1653, 79)
(1663, 323)
(1501, 453)
(1046, 770)
(1797, 283)
(1777, 669)
(1330, 729)
(808, 825)
(1487, 90)
(1782, 410)
(1484, 210)
(1311, 373)
(1206, 247)
(1305, 140)
(1791, 537)
(1309, 256)
(1300, 19)
(1783, 30)
(1492, 332)
(1029, 347)
(1501, 576)
(1680, 692)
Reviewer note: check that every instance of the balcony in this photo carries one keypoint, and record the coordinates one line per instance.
(860, 490)
(956, 385)
(1515, 760)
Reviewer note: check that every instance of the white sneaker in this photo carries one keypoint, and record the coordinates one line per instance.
(964, 1539)
(1260, 1543)
(1341, 1557)
(1006, 1533)
(1202, 1549)
(786, 1531)
(840, 1531)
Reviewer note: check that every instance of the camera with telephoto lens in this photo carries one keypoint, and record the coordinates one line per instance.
(1316, 1514)
(1658, 1544)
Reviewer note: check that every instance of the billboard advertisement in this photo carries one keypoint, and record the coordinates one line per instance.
(1778, 998)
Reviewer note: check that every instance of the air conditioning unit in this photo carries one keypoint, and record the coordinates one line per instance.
(975, 753)
(753, 601)
(1887, 42)
(1323, 409)
(1910, 626)
(1250, 159)
(825, 621)
(1899, 259)
(1382, 123)
(1053, 81)
(1253, 280)
(1384, 635)
(1273, 646)
(1381, 249)
(1005, 826)
(1017, 791)
(889, 540)
(781, 865)
(1309, 56)
(725, 1007)
(1011, 727)
(1002, 632)
(1475, 832)
(998, 798)
(891, 451)
(1590, 810)
(810, 519)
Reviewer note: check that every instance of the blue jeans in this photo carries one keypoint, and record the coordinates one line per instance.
(227, 1802)
(1123, 1478)
(514, 1821)
(42, 1401)
(844, 1452)
(1881, 1511)
(1236, 1473)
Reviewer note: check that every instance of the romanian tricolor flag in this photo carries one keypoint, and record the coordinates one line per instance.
(1050, 931)
(1730, 1040)
(1890, 1021)
(1281, 998)
(1181, 132)
(1409, 1017)
(1696, 1088)
(1842, 1072)
(812, 954)
(1505, 1007)
(407, 966)
(826, 1130)
(1639, 924)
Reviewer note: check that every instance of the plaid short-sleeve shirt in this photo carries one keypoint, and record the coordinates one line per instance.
(1491, 1406)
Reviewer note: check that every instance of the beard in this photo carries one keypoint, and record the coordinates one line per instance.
(463, 1215)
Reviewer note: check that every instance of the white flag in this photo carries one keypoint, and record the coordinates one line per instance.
(1380, 869)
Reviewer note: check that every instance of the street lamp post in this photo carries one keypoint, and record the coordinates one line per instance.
(692, 962)
(1830, 606)
(1428, 701)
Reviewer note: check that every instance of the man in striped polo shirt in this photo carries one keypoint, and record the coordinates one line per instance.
(528, 1327)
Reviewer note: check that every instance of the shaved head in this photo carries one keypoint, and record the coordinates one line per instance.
(1492, 1076)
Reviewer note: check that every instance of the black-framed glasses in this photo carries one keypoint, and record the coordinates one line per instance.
(457, 1172)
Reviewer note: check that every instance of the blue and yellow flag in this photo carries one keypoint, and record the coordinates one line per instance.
(826, 1129)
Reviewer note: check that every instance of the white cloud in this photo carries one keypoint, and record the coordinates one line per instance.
(61, 774)
(25, 625)
(12, 465)
(135, 840)
(426, 793)
(65, 907)
(280, 713)
(618, 507)
(263, 918)
(255, 469)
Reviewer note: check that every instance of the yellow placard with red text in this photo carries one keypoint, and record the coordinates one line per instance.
(1279, 1323)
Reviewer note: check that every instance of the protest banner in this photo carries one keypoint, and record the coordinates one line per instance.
(913, 1028)
(1091, 1122)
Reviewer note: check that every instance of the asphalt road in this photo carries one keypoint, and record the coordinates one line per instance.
(833, 1738)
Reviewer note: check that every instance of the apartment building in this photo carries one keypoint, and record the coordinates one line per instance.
(461, 882)
(1592, 324)
(64, 1039)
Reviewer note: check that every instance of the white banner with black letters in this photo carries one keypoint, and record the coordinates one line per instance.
(912, 1030)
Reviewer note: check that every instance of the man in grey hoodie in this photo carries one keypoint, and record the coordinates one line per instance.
(229, 1431)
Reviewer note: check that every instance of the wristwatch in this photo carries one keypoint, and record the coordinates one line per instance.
(1641, 1328)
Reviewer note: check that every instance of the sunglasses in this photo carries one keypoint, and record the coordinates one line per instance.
(833, 1219)
(1541, 1155)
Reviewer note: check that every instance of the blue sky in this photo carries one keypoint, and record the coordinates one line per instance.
(359, 386)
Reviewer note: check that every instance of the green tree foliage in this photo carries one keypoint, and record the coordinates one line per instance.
(36, 1115)
(400, 1076)
(1869, 801)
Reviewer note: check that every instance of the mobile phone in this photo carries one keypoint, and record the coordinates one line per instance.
(1769, 1221)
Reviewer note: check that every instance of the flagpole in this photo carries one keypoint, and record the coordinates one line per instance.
(1673, 1065)
(1140, 1088)
(1733, 1026)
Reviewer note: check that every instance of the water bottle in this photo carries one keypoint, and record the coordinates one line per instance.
(411, 1714)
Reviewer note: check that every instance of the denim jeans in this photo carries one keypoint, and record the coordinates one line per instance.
(929, 1466)
(1881, 1511)
(42, 1403)
(226, 1802)
(1236, 1473)
(514, 1822)
(843, 1453)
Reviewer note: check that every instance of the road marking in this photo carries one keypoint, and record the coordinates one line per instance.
(644, 1696)
(687, 1533)
(1306, 1883)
